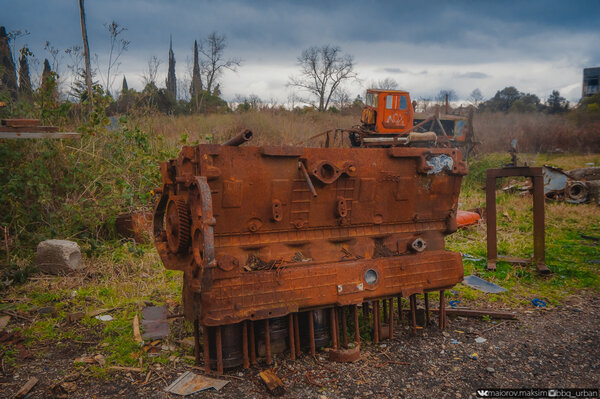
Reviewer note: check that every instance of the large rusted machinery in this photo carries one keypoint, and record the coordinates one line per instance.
(280, 246)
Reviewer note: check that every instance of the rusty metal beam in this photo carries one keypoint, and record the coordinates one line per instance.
(536, 174)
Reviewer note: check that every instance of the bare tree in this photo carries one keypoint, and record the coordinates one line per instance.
(118, 45)
(476, 97)
(13, 37)
(385, 84)
(322, 70)
(149, 76)
(214, 62)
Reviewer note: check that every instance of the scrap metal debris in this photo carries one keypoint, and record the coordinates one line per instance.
(483, 285)
(272, 382)
(154, 322)
(189, 383)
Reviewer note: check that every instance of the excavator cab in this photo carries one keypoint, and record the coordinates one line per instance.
(388, 111)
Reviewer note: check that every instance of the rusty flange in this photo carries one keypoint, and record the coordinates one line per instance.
(345, 355)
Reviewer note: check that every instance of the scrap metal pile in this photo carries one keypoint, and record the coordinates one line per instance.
(280, 246)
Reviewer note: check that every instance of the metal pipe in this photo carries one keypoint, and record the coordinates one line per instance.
(245, 344)
(391, 318)
(442, 321)
(252, 344)
(376, 321)
(291, 336)
(356, 325)
(197, 341)
(297, 334)
(239, 139)
(311, 332)
(413, 313)
(400, 315)
(334, 333)
(426, 299)
(206, 349)
(219, 345)
(385, 312)
(268, 341)
(344, 328)
(307, 177)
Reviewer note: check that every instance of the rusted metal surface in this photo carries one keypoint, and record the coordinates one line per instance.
(345, 355)
(537, 177)
(301, 236)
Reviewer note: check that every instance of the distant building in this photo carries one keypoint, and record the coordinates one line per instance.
(591, 77)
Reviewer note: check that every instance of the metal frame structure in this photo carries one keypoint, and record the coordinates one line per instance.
(537, 177)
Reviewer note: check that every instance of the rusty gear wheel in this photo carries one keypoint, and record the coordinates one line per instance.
(177, 225)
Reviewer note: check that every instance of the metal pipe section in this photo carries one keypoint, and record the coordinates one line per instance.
(239, 139)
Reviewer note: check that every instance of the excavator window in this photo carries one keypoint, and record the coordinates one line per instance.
(396, 102)
(371, 100)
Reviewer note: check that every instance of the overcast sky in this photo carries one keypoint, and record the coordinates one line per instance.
(536, 46)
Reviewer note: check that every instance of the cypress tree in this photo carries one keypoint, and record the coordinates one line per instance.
(171, 79)
(196, 86)
(24, 79)
(8, 80)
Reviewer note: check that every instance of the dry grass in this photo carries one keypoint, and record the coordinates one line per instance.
(535, 132)
(269, 127)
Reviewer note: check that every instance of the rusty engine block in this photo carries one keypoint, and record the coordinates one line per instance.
(279, 246)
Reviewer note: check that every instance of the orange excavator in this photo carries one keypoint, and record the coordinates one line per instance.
(389, 119)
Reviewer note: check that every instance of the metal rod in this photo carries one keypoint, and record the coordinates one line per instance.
(385, 313)
(490, 210)
(307, 177)
(344, 327)
(539, 230)
(297, 334)
(334, 332)
(391, 318)
(442, 322)
(252, 344)
(268, 341)
(311, 332)
(413, 313)
(206, 349)
(400, 315)
(245, 343)
(356, 325)
(197, 341)
(219, 344)
(375, 321)
(426, 299)
(291, 336)
(379, 321)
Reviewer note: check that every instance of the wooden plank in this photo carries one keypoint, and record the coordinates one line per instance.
(273, 383)
(26, 388)
(495, 314)
(25, 129)
(20, 122)
(39, 135)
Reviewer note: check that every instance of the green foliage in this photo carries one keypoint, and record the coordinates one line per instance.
(76, 189)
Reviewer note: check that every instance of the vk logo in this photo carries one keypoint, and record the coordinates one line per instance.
(482, 393)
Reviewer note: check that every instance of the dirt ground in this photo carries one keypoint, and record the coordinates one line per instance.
(552, 348)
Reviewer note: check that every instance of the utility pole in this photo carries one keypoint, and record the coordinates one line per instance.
(86, 53)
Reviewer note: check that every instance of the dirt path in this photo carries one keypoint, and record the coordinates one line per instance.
(544, 349)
